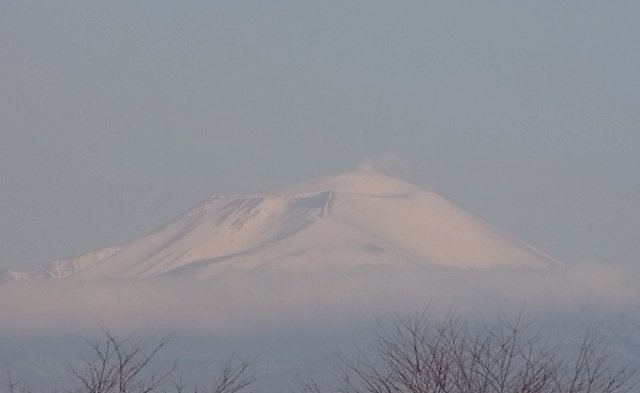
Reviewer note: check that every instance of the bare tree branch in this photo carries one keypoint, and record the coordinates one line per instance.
(124, 365)
(422, 355)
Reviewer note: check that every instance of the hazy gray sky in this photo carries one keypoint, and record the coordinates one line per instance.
(118, 115)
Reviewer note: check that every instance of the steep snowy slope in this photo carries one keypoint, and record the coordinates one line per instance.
(346, 220)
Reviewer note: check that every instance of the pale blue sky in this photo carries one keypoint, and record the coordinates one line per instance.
(118, 115)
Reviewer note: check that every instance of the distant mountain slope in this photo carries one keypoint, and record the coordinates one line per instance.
(61, 268)
(352, 219)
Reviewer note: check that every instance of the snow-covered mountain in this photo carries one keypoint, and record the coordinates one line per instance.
(61, 268)
(353, 219)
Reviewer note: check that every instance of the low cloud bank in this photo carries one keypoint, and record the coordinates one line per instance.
(237, 301)
(294, 323)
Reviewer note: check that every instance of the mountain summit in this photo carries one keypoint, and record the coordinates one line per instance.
(353, 219)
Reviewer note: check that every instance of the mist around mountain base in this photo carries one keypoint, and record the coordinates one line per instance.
(294, 323)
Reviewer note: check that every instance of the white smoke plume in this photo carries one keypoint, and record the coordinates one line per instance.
(388, 164)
